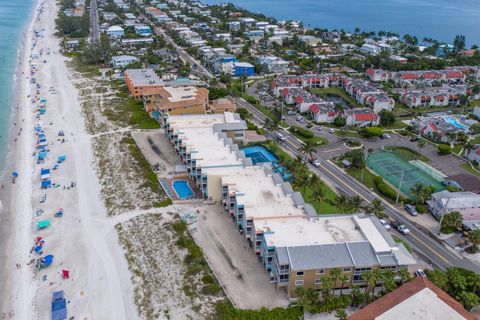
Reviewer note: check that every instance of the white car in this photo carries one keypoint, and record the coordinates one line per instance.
(385, 224)
(420, 273)
(331, 130)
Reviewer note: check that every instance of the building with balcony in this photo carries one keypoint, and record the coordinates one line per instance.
(176, 100)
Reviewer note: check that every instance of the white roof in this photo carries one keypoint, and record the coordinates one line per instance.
(371, 233)
(303, 231)
(181, 93)
(423, 305)
(259, 195)
(115, 28)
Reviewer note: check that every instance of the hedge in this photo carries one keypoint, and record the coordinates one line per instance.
(301, 131)
(444, 149)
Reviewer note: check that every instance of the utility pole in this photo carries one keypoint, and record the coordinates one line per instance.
(439, 228)
(364, 161)
(400, 187)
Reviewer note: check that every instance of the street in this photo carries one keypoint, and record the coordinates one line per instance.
(94, 21)
(418, 239)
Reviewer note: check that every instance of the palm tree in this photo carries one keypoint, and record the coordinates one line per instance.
(341, 203)
(421, 144)
(272, 125)
(376, 208)
(343, 278)
(355, 203)
(307, 149)
(376, 275)
(418, 190)
(404, 275)
(367, 279)
(474, 237)
(318, 193)
(327, 283)
(468, 147)
(452, 220)
(334, 274)
(388, 279)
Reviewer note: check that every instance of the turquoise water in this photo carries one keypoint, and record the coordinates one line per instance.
(438, 19)
(13, 17)
(453, 121)
(261, 155)
(182, 189)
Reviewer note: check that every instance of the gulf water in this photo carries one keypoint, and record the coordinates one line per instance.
(13, 17)
(437, 19)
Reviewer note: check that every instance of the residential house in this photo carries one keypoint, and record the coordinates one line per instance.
(465, 202)
(143, 31)
(223, 105)
(242, 68)
(323, 113)
(371, 49)
(115, 32)
(377, 75)
(122, 61)
(273, 64)
(310, 40)
(361, 117)
(418, 299)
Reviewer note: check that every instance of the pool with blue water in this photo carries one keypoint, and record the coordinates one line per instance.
(261, 155)
(182, 189)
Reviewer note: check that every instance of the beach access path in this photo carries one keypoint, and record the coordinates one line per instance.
(83, 241)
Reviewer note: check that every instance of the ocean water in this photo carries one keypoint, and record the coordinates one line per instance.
(437, 19)
(13, 17)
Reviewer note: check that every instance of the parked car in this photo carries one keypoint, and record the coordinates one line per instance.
(299, 118)
(415, 138)
(400, 227)
(411, 209)
(420, 273)
(386, 136)
(281, 137)
(385, 224)
(290, 112)
(332, 130)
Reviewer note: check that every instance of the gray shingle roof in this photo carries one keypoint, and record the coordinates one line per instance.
(319, 257)
(363, 254)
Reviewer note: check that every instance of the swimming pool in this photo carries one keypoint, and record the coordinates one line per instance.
(182, 189)
(454, 121)
(262, 155)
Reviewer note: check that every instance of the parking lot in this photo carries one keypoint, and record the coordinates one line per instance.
(234, 262)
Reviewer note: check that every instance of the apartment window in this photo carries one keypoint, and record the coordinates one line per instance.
(299, 282)
(300, 274)
(320, 271)
(318, 281)
(347, 269)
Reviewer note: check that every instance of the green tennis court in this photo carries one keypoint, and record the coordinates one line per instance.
(390, 167)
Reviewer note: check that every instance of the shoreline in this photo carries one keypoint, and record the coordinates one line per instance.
(13, 153)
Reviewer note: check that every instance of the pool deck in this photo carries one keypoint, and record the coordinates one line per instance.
(167, 185)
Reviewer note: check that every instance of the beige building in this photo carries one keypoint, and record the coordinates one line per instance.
(222, 105)
(176, 100)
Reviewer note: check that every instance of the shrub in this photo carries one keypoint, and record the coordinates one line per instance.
(339, 122)
(444, 149)
(420, 208)
(301, 131)
(369, 132)
(384, 188)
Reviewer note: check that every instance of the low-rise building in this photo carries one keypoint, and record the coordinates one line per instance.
(465, 202)
(122, 61)
(377, 75)
(115, 32)
(273, 64)
(176, 100)
(418, 299)
(222, 105)
(323, 113)
(137, 80)
(243, 68)
(362, 117)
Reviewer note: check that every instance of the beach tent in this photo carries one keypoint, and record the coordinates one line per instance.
(46, 184)
(44, 262)
(61, 158)
(42, 224)
(41, 135)
(42, 155)
(45, 174)
(59, 306)
(15, 174)
(66, 274)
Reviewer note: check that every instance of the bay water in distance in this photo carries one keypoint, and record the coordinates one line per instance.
(437, 19)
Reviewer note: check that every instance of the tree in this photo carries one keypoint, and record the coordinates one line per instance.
(444, 149)
(334, 274)
(272, 125)
(327, 284)
(341, 203)
(439, 278)
(376, 208)
(388, 279)
(451, 221)
(404, 275)
(308, 298)
(421, 144)
(339, 122)
(307, 149)
(341, 314)
(343, 278)
(355, 203)
(474, 237)
(318, 192)
(468, 299)
(459, 43)
(387, 118)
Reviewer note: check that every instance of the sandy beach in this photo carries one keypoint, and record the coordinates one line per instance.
(82, 241)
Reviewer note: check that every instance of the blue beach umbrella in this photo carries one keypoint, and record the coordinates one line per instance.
(15, 174)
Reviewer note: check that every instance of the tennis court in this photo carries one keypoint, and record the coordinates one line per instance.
(390, 167)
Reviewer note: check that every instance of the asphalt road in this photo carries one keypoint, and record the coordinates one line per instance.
(419, 239)
(94, 23)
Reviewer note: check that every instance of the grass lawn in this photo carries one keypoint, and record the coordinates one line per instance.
(467, 167)
(339, 92)
(397, 125)
(457, 148)
(320, 141)
(133, 110)
(407, 154)
(475, 140)
(323, 207)
(347, 134)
